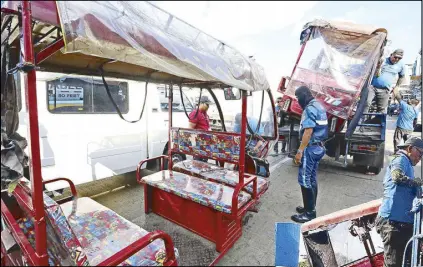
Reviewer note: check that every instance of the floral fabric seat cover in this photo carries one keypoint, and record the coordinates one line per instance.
(207, 193)
(210, 171)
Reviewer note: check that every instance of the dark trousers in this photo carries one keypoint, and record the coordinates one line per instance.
(395, 236)
(382, 97)
(400, 134)
(276, 147)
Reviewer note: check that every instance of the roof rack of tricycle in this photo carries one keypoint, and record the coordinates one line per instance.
(136, 41)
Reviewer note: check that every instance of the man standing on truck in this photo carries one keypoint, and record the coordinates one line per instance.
(382, 83)
(199, 120)
(313, 131)
(394, 222)
(405, 121)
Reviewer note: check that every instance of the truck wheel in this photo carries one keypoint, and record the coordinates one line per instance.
(367, 169)
(361, 168)
(375, 170)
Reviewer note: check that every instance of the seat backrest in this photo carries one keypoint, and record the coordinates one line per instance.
(64, 248)
(219, 146)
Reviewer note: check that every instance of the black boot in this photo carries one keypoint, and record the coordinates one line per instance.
(310, 212)
(301, 209)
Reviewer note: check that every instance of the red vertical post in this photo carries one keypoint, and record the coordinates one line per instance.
(243, 137)
(33, 136)
(170, 106)
(300, 54)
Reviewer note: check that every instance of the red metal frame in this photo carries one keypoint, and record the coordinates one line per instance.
(218, 227)
(241, 164)
(141, 243)
(161, 158)
(221, 228)
(71, 185)
(28, 250)
(229, 227)
(170, 107)
(33, 202)
(49, 50)
(355, 212)
(300, 54)
(34, 138)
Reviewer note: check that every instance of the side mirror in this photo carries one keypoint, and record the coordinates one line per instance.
(282, 86)
(232, 93)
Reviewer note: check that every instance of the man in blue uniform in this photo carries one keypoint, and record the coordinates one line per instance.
(383, 83)
(313, 131)
(406, 117)
(395, 221)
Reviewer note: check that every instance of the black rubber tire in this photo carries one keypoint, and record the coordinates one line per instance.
(361, 168)
(375, 170)
(181, 157)
(368, 169)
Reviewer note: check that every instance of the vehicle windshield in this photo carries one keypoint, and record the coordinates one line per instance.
(335, 65)
(177, 104)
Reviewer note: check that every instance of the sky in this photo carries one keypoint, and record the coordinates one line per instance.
(270, 31)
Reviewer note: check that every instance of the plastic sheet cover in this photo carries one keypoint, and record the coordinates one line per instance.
(335, 65)
(139, 33)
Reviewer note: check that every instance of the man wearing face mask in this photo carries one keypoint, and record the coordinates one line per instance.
(395, 221)
(313, 131)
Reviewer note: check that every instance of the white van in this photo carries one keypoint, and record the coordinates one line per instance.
(81, 135)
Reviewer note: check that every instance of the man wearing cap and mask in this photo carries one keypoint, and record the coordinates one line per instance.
(406, 117)
(383, 83)
(198, 118)
(395, 221)
(313, 131)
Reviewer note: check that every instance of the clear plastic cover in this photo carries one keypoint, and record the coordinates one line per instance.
(335, 65)
(139, 33)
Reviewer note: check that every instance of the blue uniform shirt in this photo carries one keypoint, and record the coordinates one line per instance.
(388, 74)
(406, 116)
(314, 116)
(253, 124)
(398, 199)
